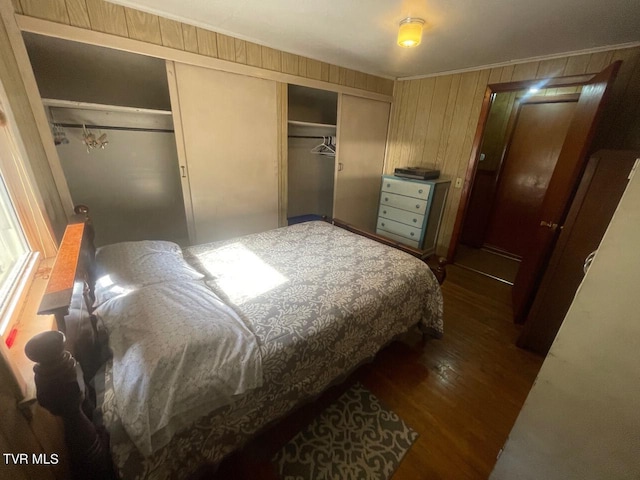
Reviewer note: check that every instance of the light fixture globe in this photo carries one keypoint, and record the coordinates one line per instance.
(410, 32)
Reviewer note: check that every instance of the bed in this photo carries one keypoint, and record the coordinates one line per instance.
(297, 309)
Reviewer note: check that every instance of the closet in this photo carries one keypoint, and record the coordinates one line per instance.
(311, 152)
(161, 149)
(336, 150)
(112, 125)
(226, 126)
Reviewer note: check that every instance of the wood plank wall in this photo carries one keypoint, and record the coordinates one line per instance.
(114, 19)
(433, 120)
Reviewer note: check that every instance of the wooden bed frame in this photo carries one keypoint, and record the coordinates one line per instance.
(65, 364)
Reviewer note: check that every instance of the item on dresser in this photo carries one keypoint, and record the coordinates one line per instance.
(417, 173)
(411, 210)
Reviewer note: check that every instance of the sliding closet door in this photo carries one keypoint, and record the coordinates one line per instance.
(230, 145)
(362, 136)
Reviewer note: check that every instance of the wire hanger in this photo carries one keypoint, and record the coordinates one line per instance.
(327, 147)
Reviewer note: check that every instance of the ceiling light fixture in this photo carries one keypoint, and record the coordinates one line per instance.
(410, 32)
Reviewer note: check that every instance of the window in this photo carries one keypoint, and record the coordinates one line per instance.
(14, 251)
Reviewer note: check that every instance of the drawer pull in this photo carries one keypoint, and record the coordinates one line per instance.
(417, 206)
(415, 220)
(382, 224)
(384, 211)
(388, 185)
(386, 199)
(420, 191)
(411, 233)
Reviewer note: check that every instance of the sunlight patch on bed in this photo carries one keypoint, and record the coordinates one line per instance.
(106, 284)
(240, 273)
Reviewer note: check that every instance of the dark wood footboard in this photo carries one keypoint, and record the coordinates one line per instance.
(438, 268)
(67, 359)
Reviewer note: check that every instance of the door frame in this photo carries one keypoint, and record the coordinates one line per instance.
(492, 89)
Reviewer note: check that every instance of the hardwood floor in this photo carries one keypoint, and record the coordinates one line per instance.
(461, 393)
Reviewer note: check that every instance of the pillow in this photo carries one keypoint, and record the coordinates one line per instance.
(123, 267)
(179, 352)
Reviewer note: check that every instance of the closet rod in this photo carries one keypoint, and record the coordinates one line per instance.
(306, 136)
(106, 127)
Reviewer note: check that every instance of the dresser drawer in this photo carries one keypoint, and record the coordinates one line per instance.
(403, 187)
(404, 203)
(412, 233)
(402, 216)
(398, 238)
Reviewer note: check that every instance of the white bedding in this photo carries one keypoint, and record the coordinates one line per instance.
(172, 365)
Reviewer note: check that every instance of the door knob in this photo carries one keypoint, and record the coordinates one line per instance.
(550, 225)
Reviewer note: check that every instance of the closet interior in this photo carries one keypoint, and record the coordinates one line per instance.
(312, 149)
(111, 120)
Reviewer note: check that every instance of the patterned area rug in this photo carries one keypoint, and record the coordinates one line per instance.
(354, 438)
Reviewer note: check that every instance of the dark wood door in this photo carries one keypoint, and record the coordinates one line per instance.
(562, 186)
(540, 127)
(598, 195)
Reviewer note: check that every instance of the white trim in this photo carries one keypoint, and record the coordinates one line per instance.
(215, 29)
(52, 102)
(76, 34)
(17, 293)
(525, 60)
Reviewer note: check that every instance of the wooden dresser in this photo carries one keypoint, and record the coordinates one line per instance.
(411, 210)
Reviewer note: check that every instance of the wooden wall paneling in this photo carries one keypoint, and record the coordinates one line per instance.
(350, 78)
(621, 111)
(495, 75)
(334, 74)
(507, 73)
(632, 138)
(410, 107)
(143, 26)
(241, 51)
(171, 33)
(290, 64)
(17, 7)
(599, 61)
(226, 47)
(525, 71)
(78, 13)
(360, 80)
(437, 109)
(107, 17)
(445, 135)
(302, 66)
(324, 73)
(254, 54)
(457, 153)
(577, 65)
(207, 42)
(190, 38)
(342, 74)
(552, 68)
(392, 135)
(53, 10)
(400, 102)
(421, 124)
(282, 93)
(314, 69)
(271, 59)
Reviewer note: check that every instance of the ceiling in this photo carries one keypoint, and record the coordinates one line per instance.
(459, 34)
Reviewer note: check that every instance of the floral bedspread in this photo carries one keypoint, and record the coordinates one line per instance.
(320, 301)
